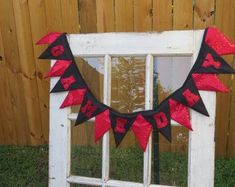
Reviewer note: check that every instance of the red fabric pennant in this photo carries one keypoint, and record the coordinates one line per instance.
(58, 68)
(210, 62)
(142, 130)
(66, 82)
(102, 124)
(57, 50)
(190, 97)
(209, 82)
(220, 43)
(180, 113)
(49, 38)
(74, 97)
(161, 120)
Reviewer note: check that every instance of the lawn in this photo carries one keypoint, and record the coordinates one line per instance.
(28, 166)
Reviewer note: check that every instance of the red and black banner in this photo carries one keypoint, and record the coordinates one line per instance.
(202, 76)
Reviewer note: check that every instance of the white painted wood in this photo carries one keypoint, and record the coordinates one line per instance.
(73, 117)
(201, 141)
(84, 180)
(106, 100)
(115, 44)
(109, 183)
(59, 140)
(148, 105)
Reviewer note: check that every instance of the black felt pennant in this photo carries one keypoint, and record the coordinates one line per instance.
(120, 125)
(160, 119)
(190, 96)
(59, 49)
(209, 61)
(90, 107)
(71, 71)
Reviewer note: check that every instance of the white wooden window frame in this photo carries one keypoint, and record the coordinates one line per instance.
(169, 43)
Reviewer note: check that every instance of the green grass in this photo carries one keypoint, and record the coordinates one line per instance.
(27, 166)
(23, 166)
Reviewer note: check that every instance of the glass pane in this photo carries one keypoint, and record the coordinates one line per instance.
(171, 73)
(86, 156)
(170, 159)
(127, 95)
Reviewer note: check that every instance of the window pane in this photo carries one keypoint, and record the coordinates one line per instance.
(170, 159)
(127, 95)
(86, 156)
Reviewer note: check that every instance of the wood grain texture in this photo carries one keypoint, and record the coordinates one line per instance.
(105, 15)
(26, 57)
(182, 14)
(88, 16)
(70, 16)
(54, 19)
(124, 15)
(225, 11)
(204, 13)
(16, 119)
(143, 15)
(37, 11)
(162, 15)
(2, 125)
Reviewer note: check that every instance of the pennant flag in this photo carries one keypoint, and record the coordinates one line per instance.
(90, 107)
(202, 76)
(70, 80)
(59, 49)
(209, 82)
(102, 124)
(219, 42)
(210, 62)
(161, 120)
(142, 130)
(49, 38)
(180, 113)
(74, 97)
(189, 96)
(120, 126)
(58, 68)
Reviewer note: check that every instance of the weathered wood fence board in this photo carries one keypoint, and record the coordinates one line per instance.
(24, 93)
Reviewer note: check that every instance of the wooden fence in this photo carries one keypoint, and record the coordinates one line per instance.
(24, 94)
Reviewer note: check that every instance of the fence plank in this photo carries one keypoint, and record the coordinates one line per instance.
(224, 11)
(26, 57)
(2, 117)
(105, 15)
(87, 13)
(18, 125)
(124, 11)
(143, 15)
(204, 11)
(183, 14)
(8, 134)
(225, 112)
(37, 11)
(70, 17)
(7, 123)
(162, 15)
